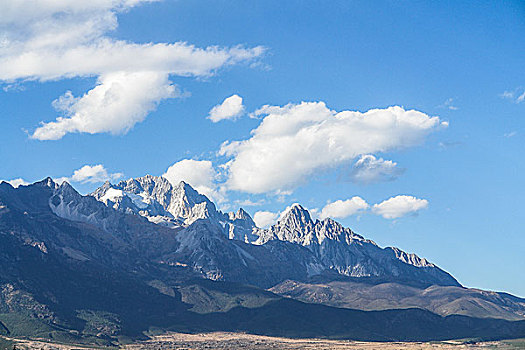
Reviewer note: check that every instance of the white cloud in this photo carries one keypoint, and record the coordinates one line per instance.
(231, 108)
(297, 140)
(200, 174)
(264, 219)
(341, 209)
(369, 169)
(507, 94)
(16, 182)
(92, 174)
(52, 40)
(516, 96)
(86, 174)
(449, 144)
(510, 134)
(399, 206)
(115, 105)
(60, 180)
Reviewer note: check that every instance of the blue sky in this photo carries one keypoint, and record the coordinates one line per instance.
(460, 62)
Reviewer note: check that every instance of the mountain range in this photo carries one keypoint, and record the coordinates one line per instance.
(145, 255)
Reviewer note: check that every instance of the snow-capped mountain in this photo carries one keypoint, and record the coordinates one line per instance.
(72, 262)
(204, 241)
(342, 250)
(156, 199)
(320, 246)
(57, 220)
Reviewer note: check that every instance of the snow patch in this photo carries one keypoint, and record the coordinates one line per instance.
(111, 195)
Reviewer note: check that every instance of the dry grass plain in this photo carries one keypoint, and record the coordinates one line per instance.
(224, 340)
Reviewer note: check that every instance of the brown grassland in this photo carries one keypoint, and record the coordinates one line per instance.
(225, 340)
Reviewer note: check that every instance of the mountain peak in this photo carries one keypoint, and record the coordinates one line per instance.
(66, 187)
(47, 182)
(184, 189)
(242, 214)
(155, 198)
(296, 215)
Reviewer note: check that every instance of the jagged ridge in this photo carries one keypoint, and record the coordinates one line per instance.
(331, 246)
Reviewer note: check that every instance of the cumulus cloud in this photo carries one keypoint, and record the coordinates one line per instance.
(200, 174)
(399, 206)
(115, 105)
(231, 108)
(264, 219)
(93, 174)
(368, 169)
(297, 140)
(16, 182)
(52, 40)
(341, 209)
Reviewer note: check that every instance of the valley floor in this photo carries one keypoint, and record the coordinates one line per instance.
(223, 340)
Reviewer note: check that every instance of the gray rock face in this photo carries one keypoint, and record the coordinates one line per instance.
(60, 221)
(156, 199)
(349, 254)
(329, 245)
(205, 249)
(240, 226)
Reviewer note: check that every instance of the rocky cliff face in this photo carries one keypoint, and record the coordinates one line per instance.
(340, 249)
(329, 245)
(156, 199)
(121, 231)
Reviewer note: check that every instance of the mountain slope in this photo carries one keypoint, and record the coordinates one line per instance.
(349, 254)
(442, 300)
(75, 269)
(329, 246)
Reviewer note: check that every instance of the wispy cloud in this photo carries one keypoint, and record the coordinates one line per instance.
(449, 144)
(517, 95)
(449, 104)
(250, 203)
